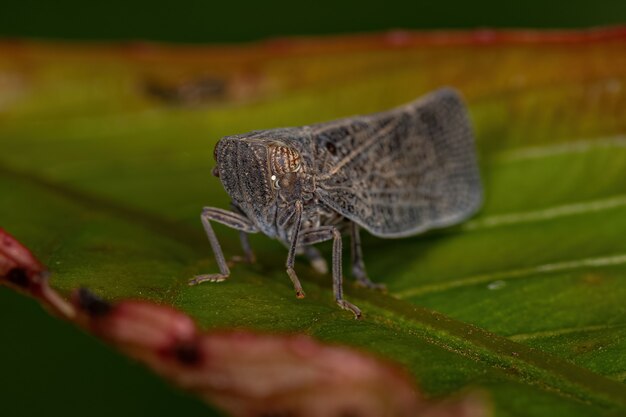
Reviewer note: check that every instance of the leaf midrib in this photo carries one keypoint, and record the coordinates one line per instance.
(518, 359)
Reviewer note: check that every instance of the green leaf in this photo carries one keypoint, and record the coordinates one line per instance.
(106, 159)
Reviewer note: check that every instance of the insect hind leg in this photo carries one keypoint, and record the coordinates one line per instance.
(227, 218)
(358, 266)
(322, 234)
(315, 258)
(248, 254)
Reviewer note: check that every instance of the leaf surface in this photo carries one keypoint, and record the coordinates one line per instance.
(106, 159)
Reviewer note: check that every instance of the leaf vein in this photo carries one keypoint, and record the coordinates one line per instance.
(598, 262)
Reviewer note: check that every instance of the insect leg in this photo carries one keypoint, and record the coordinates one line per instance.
(315, 258)
(326, 233)
(338, 279)
(291, 256)
(230, 219)
(358, 266)
(248, 253)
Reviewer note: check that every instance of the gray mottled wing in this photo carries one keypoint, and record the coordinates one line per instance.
(400, 172)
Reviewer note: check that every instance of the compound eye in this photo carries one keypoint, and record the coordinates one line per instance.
(285, 160)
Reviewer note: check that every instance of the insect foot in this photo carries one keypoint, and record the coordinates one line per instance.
(198, 279)
(318, 263)
(234, 260)
(367, 283)
(350, 307)
(296, 283)
(320, 266)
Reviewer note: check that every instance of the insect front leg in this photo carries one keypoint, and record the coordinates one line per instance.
(358, 266)
(322, 234)
(291, 256)
(227, 218)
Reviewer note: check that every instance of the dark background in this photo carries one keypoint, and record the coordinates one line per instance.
(47, 366)
(238, 20)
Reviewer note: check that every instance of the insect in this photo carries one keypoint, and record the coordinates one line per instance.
(394, 174)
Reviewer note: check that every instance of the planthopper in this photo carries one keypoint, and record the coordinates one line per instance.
(395, 174)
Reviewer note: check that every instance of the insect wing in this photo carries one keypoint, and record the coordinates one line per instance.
(400, 172)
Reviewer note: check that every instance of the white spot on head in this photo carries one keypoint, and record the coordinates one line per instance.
(273, 177)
